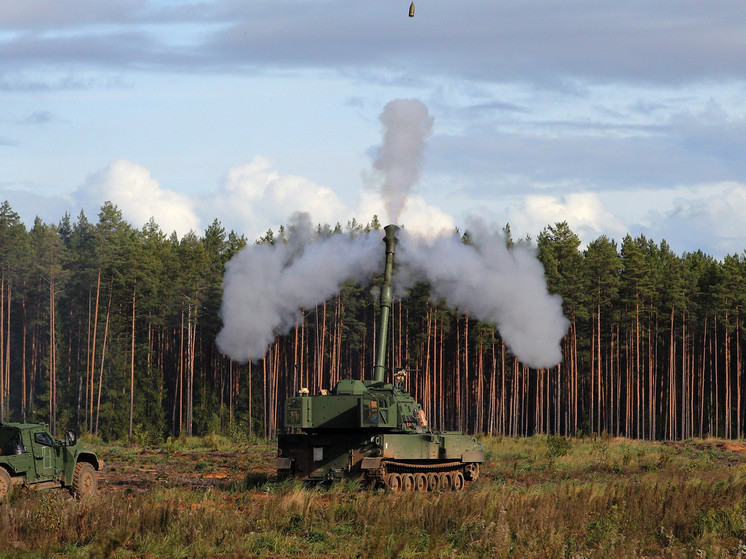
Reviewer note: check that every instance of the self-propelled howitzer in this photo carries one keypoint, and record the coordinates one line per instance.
(373, 430)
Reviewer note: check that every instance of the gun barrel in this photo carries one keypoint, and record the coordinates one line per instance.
(385, 302)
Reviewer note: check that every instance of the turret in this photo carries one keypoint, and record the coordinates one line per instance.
(385, 303)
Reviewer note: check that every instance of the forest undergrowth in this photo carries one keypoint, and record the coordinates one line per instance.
(544, 496)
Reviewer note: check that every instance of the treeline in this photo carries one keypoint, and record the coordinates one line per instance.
(109, 329)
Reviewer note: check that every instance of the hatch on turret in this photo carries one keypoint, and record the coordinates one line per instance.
(350, 386)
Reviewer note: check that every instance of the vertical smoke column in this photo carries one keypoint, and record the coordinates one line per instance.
(407, 123)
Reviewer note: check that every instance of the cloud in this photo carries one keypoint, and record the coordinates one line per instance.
(530, 98)
(249, 199)
(255, 196)
(41, 14)
(29, 204)
(709, 217)
(583, 211)
(37, 117)
(613, 147)
(666, 41)
(543, 42)
(139, 196)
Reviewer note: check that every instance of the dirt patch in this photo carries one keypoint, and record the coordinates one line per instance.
(728, 453)
(732, 447)
(141, 471)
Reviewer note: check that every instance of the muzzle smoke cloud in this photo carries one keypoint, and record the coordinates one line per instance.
(266, 286)
(491, 283)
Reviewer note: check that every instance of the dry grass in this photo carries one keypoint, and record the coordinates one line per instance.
(538, 497)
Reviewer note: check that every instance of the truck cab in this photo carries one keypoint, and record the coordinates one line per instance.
(31, 457)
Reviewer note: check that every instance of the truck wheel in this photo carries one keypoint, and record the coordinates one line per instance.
(84, 481)
(5, 483)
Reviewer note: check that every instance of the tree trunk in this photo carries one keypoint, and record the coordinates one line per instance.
(52, 361)
(251, 417)
(181, 373)
(738, 373)
(103, 358)
(7, 351)
(132, 360)
(2, 361)
(93, 352)
(23, 362)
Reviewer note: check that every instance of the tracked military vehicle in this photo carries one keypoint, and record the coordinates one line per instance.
(373, 430)
(31, 457)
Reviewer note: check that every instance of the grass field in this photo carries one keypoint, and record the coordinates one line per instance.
(536, 497)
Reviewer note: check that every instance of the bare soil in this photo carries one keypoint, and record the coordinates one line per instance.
(143, 469)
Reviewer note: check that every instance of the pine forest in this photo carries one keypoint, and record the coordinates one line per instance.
(110, 330)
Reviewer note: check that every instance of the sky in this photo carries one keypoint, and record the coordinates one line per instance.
(618, 117)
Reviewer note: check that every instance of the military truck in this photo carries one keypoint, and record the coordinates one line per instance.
(31, 457)
(373, 430)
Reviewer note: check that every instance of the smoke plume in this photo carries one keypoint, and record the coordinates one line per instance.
(266, 286)
(407, 123)
(491, 283)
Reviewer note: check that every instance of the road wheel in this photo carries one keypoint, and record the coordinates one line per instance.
(458, 481)
(85, 482)
(433, 481)
(420, 482)
(393, 482)
(5, 483)
(407, 482)
(445, 481)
